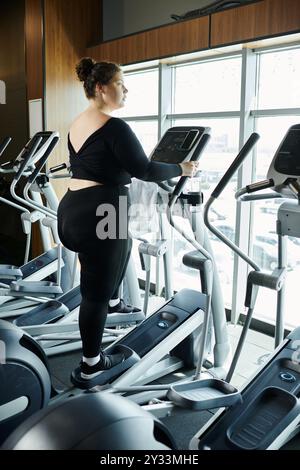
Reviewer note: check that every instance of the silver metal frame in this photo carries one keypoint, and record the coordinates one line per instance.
(243, 211)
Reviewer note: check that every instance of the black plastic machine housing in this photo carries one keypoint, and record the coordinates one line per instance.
(271, 402)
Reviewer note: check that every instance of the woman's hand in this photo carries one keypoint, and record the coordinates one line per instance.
(189, 168)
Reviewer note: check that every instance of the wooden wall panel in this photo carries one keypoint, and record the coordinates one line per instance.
(70, 25)
(13, 114)
(254, 21)
(13, 119)
(178, 38)
(34, 48)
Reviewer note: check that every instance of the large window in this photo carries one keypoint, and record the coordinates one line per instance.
(213, 92)
(211, 89)
(208, 86)
(140, 109)
(216, 158)
(277, 90)
(142, 97)
(146, 132)
(279, 79)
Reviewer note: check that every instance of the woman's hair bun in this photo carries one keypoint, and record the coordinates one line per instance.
(84, 68)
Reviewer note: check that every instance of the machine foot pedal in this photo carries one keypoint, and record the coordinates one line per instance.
(204, 394)
(106, 376)
(264, 419)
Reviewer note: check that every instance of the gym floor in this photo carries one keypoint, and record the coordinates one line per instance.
(184, 424)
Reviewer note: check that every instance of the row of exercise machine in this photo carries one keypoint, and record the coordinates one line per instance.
(263, 415)
(26, 290)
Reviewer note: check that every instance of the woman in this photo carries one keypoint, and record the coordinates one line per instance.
(104, 155)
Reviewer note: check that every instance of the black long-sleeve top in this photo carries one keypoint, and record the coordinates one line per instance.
(113, 154)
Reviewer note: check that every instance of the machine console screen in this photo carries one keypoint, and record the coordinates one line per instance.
(175, 145)
(288, 158)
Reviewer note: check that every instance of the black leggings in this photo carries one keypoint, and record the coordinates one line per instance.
(103, 248)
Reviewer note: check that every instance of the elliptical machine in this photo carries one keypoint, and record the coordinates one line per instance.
(268, 415)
